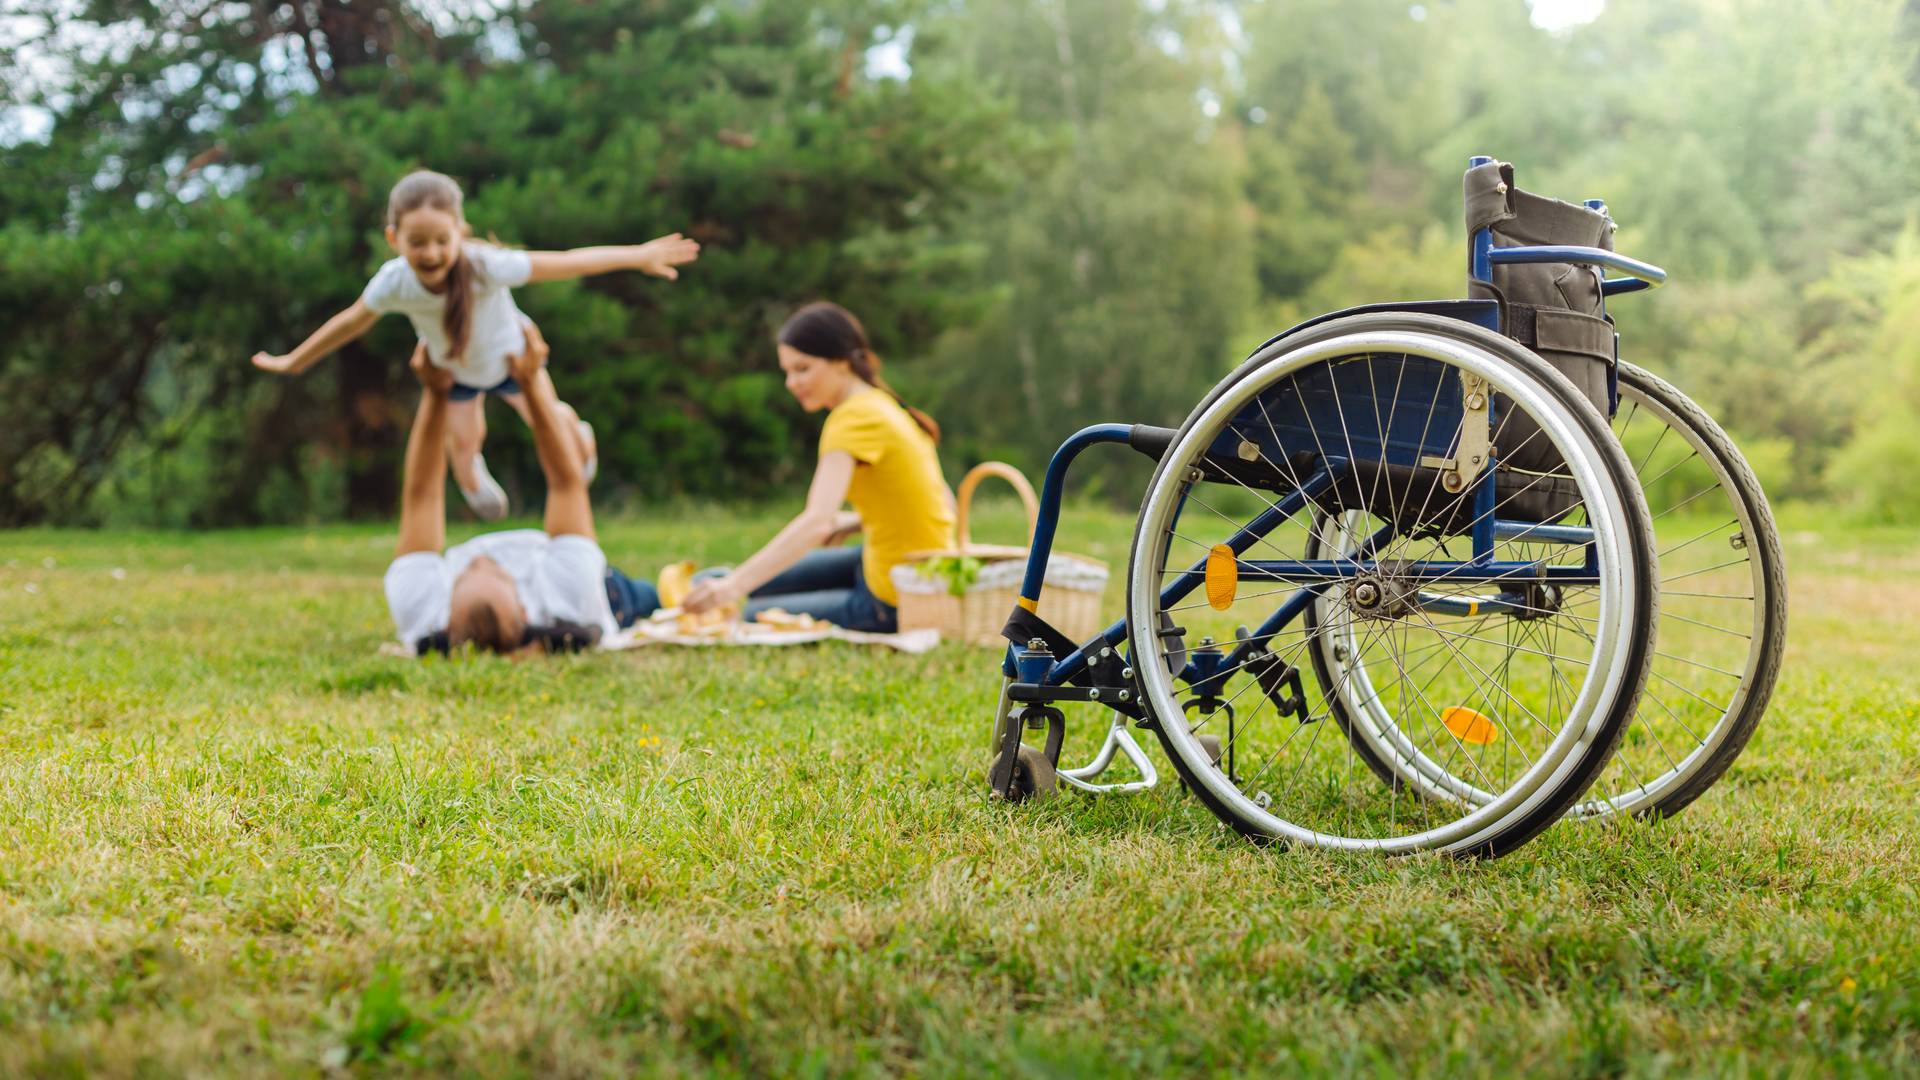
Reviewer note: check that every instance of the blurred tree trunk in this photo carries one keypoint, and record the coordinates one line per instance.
(338, 37)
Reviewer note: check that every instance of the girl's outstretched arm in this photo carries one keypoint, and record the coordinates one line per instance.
(333, 334)
(658, 257)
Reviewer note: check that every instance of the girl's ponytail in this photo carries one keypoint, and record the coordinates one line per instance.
(457, 318)
(829, 331)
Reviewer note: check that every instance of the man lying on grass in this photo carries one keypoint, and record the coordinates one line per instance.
(520, 589)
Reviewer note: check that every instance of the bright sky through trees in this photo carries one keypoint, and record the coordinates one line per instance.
(1561, 14)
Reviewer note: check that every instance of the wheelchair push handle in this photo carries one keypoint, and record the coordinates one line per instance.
(1640, 275)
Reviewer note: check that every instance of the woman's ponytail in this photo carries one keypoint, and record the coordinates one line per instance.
(831, 332)
(866, 364)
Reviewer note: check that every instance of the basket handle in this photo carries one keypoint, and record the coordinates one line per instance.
(964, 497)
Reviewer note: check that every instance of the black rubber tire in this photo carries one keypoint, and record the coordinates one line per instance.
(1773, 565)
(1620, 471)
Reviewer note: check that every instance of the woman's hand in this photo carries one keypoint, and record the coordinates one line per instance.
(845, 523)
(525, 366)
(659, 256)
(712, 594)
(279, 365)
(436, 380)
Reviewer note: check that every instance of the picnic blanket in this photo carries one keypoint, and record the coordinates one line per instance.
(746, 633)
(670, 632)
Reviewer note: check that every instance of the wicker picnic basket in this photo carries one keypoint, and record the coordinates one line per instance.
(1070, 601)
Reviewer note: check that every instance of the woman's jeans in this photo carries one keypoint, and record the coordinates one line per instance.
(827, 584)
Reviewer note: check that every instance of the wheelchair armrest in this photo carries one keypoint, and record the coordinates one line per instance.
(1640, 275)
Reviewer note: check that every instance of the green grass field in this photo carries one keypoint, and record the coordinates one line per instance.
(235, 840)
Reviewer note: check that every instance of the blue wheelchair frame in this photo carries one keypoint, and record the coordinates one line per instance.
(1042, 677)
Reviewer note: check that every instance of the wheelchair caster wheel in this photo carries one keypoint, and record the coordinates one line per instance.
(1211, 744)
(1034, 777)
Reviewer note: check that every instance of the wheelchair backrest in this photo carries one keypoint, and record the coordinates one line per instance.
(1556, 309)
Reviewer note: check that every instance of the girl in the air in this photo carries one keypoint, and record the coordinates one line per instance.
(456, 292)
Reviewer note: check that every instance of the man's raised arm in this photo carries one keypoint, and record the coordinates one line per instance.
(569, 511)
(423, 491)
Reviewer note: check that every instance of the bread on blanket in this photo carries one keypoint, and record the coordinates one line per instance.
(715, 623)
(782, 619)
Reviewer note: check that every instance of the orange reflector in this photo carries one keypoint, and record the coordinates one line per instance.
(1469, 726)
(1223, 576)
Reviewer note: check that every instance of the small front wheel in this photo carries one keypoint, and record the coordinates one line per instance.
(1034, 777)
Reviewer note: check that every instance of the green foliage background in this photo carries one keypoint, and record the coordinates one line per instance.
(1052, 213)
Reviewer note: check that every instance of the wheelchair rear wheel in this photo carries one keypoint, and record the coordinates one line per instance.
(1723, 605)
(1309, 494)
(1722, 613)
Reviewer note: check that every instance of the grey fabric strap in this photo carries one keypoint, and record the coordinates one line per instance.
(1557, 330)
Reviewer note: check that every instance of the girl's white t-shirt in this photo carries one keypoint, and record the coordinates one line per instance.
(497, 323)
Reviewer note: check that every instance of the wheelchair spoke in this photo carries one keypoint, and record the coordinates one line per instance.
(1708, 626)
(1700, 537)
(1708, 490)
(1707, 570)
(1627, 763)
(1662, 437)
(1690, 662)
(1668, 679)
(1434, 628)
(1489, 679)
(1649, 481)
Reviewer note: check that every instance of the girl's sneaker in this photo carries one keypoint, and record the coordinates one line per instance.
(592, 468)
(488, 501)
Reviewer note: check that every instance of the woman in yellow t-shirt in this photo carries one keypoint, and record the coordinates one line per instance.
(876, 453)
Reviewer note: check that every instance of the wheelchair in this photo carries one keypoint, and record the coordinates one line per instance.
(1425, 576)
